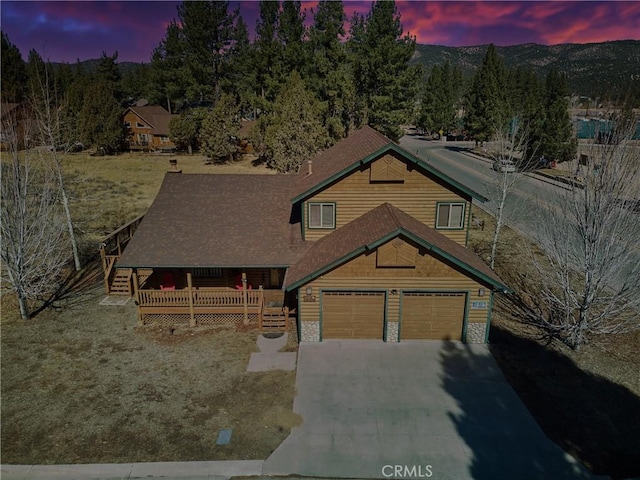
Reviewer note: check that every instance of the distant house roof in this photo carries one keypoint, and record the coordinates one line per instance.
(156, 116)
(375, 228)
(218, 221)
(361, 147)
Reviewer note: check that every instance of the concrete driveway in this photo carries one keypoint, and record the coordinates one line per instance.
(437, 410)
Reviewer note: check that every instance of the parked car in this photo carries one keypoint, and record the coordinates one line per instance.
(504, 165)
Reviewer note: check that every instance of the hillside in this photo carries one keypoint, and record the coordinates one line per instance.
(595, 69)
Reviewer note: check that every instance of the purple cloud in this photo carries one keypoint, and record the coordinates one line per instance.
(66, 31)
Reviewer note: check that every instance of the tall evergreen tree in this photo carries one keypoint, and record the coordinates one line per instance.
(269, 70)
(208, 28)
(293, 132)
(220, 130)
(384, 78)
(241, 77)
(328, 73)
(14, 74)
(486, 106)
(441, 99)
(100, 118)
(169, 79)
(292, 33)
(559, 141)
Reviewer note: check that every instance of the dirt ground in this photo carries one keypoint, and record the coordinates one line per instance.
(587, 401)
(81, 384)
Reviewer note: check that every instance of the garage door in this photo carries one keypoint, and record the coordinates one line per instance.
(432, 316)
(355, 315)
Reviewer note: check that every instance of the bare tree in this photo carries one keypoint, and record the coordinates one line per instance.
(56, 139)
(32, 226)
(508, 167)
(589, 270)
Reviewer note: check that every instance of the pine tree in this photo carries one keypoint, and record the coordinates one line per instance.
(268, 67)
(100, 118)
(207, 28)
(219, 130)
(169, 80)
(294, 131)
(383, 76)
(486, 106)
(441, 99)
(559, 141)
(328, 73)
(14, 74)
(291, 34)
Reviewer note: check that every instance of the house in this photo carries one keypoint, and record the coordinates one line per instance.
(366, 242)
(148, 128)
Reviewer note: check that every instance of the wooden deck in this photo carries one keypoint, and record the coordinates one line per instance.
(197, 306)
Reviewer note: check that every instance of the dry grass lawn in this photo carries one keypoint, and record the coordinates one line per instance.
(587, 401)
(81, 384)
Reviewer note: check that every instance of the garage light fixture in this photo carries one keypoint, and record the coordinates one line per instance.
(309, 291)
(481, 292)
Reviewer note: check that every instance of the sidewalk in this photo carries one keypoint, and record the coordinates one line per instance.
(127, 471)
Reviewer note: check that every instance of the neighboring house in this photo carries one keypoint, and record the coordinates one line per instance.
(148, 128)
(367, 241)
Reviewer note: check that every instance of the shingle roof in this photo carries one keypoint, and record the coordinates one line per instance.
(342, 155)
(376, 227)
(156, 116)
(364, 145)
(217, 221)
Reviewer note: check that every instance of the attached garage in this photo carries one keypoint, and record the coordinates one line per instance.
(353, 315)
(432, 316)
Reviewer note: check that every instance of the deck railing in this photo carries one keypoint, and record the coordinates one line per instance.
(223, 298)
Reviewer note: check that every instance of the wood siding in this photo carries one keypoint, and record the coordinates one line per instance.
(429, 274)
(417, 195)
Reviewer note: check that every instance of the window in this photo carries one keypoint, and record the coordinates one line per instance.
(322, 215)
(450, 215)
(141, 125)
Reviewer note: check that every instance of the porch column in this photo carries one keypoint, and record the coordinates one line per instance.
(192, 318)
(245, 299)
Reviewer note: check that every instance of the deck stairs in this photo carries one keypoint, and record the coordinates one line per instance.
(121, 283)
(274, 319)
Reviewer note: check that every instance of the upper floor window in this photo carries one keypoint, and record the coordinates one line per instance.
(141, 125)
(322, 215)
(450, 215)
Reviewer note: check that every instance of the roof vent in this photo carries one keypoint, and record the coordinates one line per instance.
(309, 164)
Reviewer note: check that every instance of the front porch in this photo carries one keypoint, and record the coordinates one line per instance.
(211, 297)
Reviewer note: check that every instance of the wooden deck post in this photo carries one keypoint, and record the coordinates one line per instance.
(245, 299)
(136, 295)
(103, 257)
(192, 318)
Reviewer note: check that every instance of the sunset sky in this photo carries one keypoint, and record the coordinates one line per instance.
(66, 31)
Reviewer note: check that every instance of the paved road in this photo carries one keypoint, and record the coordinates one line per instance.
(528, 196)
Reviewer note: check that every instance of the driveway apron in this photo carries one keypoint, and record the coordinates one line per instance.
(439, 410)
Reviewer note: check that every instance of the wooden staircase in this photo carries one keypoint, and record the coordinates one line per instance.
(274, 319)
(121, 283)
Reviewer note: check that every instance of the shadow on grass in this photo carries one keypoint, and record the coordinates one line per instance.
(504, 440)
(587, 415)
(73, 286)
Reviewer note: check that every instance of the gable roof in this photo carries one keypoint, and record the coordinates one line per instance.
(359, 148)
(372, 230)
(205, 220)
(156, 116)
